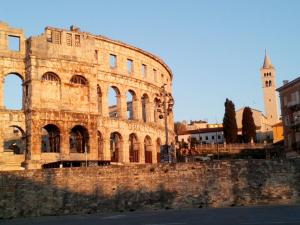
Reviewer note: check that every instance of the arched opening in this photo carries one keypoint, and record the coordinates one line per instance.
(14, 140)
(270, 83)
(158, 147)
(115, 146)
(13, 91)
(133, 148)
(100, 145)
(148, 149)
(99, 99)
(50, 140)
(79, 139)
(50, 76)
(131, 100)
(267, 83)
(78, 79)
(114, 100)
(145, 102)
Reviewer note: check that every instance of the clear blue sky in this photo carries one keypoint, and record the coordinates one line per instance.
(214, 48)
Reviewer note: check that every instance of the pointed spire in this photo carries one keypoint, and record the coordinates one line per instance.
(267, 61)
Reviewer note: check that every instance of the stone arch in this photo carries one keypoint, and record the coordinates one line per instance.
(13, 91)
(51, 82)
(131, 105)
(100, 145)
(158, 147)
(79, 139)
(116, 145)
(50, 139)
(14, 139)
(114, 106)
(134, 148)
(148, 149)
(99, 99)
(79, 79)
(145, 105)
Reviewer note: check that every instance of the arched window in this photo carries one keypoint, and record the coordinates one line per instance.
(79, 139)
(77, 79)
(270, 83)
(14, 139)
(115, 146)
(148, 149)
(50, 76)
(50, 139)
(114, 99)
(267, 83)
(13, 91)
(133, 148)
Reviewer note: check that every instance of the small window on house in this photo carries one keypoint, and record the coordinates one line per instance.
(200, 138)
(206, 137)
(14, 43)
(77, 40)
(129, 65)
(56, 37)
(155, 75)
(69, 39)
(113, 61)
(144, 70)
(219, 136)
(212, 137)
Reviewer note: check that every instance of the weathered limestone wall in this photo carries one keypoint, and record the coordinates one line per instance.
(132, 187)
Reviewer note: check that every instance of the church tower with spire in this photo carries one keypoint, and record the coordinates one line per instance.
(268, 78)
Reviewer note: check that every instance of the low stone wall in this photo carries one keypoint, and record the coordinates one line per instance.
(133, 187)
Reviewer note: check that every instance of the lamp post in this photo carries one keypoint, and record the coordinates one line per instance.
(164, 104)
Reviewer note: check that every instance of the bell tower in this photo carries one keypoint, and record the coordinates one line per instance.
(268, 78)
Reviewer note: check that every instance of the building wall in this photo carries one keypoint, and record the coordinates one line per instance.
(137, 187)
(60, 102)
(290, 101)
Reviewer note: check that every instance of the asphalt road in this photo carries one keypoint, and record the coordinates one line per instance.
(270, 215)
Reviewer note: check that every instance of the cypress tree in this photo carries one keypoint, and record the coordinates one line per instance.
(229, 122)
(248, 126)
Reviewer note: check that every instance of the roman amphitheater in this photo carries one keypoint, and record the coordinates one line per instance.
(67, 114)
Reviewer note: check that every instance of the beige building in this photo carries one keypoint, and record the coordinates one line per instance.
(290, 109)
(66, 115)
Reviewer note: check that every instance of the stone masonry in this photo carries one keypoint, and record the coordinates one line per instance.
(66, 76)
(146, 186)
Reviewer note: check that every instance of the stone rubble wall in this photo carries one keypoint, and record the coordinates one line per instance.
(138, 187)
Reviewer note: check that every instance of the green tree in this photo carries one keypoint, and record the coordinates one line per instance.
(229, 122)
(248, 126)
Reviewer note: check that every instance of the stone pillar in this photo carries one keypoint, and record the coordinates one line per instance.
(154, 152)
(104, 107)
(64, 145)
(122, 106)
(106, 148)
(93, 144)
(124, 153)
(142, 152)
(137, 109)
(149, 111)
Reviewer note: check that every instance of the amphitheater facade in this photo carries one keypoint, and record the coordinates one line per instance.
(67, 115)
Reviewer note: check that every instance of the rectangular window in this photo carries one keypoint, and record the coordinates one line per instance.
(96, 55)
(14, 43)
(144, 70)
(69, 39)
(206, 137)
(213, 137)
(219, 136)
(77, 40)
(56, 37)
(113, 61)
(129, 65)
(155, 75)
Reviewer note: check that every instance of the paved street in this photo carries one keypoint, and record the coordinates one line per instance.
(271, 215)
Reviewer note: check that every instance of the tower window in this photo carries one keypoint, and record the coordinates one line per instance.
(270, 83)
(267, 83)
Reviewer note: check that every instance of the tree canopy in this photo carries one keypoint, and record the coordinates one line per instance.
(229, 122)
(248, 126)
